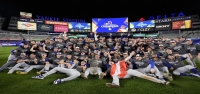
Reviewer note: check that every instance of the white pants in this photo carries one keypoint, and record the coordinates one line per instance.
(72, 73)
(131, 73)
(93, 70)
(189, 61)
(48, 66)
(16, 67)
(148, 70)
(183, 69)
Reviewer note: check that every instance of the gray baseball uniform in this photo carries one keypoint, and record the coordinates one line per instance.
(160, 65)
(179, 66)
(17, 67)
(143, 66)
(72, 73)
(95, 67)
(181, 49)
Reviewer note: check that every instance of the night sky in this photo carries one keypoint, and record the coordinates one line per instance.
(88, 9)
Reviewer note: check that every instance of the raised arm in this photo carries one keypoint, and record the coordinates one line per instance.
(129, 57)
(32, 48)
(95, 36)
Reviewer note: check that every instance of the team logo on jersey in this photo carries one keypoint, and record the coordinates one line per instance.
(109, 25)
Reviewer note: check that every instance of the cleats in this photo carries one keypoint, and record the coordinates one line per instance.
(21, 72)
(195, 75)
(43, 72)
(38, 73)
(38, 77)
(166, 83)
(58, 81)
(168, 76)
(101, 76)
(83, 76)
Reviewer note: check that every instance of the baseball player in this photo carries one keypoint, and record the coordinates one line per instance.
(146, 67)
(181, 49)
(14, 54)
(72, 72)
(95, 68)
(192, 49)
(21, 62)
(54, 63)
(119, 70)
(161, 65)
(34, 64)
(175, 63)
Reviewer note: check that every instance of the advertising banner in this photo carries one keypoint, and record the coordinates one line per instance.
(110, 24)
(39, 21)
(163, 20)
(26, 26)
(163, 26)
(138, 35)
(56, 23)
(79, 27)
(8, 44)
(72, 36)
(45, 27)
(182, 18)
(143, 24)
(60, 28)
(81, 36)
(151, 35)
(182, 24)
(141, 29)
(25, 15)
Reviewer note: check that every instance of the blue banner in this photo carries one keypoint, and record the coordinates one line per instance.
(45, 27)
(144, 24)
(79, 26)
(110, 24)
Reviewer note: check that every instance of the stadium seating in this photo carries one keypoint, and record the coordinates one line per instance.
(169, 34)
(35, 37)
(11, 36)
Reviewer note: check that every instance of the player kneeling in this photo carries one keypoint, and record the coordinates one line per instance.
(72, 72)
(175, 63)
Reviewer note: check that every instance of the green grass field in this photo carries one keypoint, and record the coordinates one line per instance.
(24, 84)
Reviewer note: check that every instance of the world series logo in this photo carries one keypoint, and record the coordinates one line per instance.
(109, 25)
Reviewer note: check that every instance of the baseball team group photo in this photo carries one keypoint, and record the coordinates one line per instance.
(98, 55)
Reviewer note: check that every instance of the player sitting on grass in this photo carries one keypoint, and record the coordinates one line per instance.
(175, 63)
(120, 70)
(72, 72)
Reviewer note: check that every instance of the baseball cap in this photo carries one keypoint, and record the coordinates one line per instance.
(125, 53)
(25, 43)
(172, 41)
(161, 45)
(137, 55)
(189, 39)
(77, 47)
(23, 54)
(58, 53)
